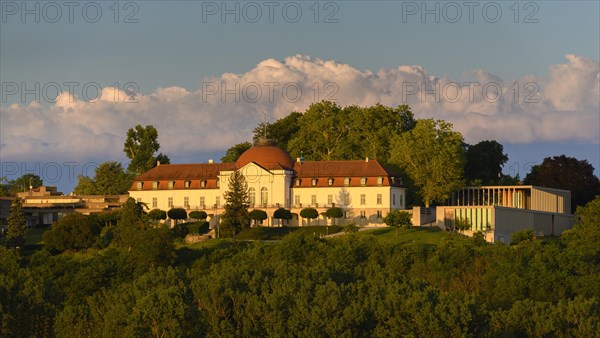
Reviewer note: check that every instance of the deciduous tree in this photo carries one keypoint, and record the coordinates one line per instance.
(23, 183)
(484, 162)
(282, 214)
(334, 212)
(198, 215)
(433, 156)
(177, 214)
(282, 130)
(309, 213)
(567, 173)
(321, 135)
(73, 232)
(234, 152)
(258, 215)
(157, 214)
(140, 146)
(397, 219)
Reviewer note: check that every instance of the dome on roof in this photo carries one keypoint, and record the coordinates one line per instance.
(266, 154)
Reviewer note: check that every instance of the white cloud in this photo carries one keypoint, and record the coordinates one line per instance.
(224, 111)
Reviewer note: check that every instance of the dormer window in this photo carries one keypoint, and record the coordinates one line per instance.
(314, 182)
(379, 181)
(202, 184)
(139, 185)
(363, 181)
(171, 184)
(298, 182)
(347, 181)
(187, 184)
(155, 185)
(218, 183)
(330, 181)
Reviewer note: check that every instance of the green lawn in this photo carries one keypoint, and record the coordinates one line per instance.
(276, 233)
(423, 235)
(34, 236)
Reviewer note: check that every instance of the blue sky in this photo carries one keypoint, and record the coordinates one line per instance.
(369, 50)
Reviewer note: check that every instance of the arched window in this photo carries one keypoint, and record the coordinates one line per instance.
(252, 196)
(264, 196)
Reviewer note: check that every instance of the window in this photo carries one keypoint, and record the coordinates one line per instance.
(330, 199)
(379, 181)
(187, 184)
(139, 185)
(186, 202)
(298, 181)
(363, 214)
(363, 181)
(379, 199)
(362, 199)
(330, 181)
(378, 213)
(171, 184)
(313, 199)
(296, 199)
(314, 182)
(218, 183)
(170, 202)
(218, 201)
(202, 202)
(202, 184)
(347, 181)
(264, 196)
(393, 199)
(155, 185)
(252, 196)
(154, 202)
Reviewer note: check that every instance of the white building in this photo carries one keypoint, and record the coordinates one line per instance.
(499, 211)
(364, 189)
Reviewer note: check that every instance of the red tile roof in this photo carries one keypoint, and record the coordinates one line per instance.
(200, 171)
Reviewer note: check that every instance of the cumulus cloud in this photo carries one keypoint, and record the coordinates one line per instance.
(564, 106)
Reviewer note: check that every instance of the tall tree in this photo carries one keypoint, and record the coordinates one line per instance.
(140, 146)
(433, 156)
(373, 128)
(111, 179)
(282, 130)
(585, 235)
(322, 132)
(484, 162)
(17, 225)
(23, 183)
(567, 173)
(3, 186)
(85, 186)
(233, 153)
(236, 216)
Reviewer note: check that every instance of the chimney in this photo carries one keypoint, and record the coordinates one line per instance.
(210, 161)
(367, 159)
